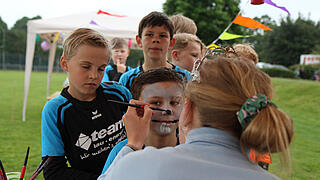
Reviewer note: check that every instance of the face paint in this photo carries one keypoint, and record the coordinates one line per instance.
(165, 95)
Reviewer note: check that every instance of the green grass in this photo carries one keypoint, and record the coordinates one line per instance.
(16, 135)
(299, 98)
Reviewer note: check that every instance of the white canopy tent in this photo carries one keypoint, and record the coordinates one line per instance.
(109, 24)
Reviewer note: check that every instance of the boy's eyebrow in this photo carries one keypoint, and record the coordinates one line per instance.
(88, 62)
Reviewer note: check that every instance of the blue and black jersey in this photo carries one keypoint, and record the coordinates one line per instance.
(127, 78)
(111, 73)
(84, 132)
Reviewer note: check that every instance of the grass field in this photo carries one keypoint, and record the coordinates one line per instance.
(299, 98)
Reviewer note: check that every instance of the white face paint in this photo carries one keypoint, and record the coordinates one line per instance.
(165, 95)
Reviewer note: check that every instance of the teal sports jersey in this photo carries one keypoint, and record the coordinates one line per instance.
(84, 132)
(127, 78)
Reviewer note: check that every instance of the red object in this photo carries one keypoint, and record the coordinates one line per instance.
(22, 172)
(140, 111)
(257, 2)
(24, 164)
(129, 43)
(106, 13)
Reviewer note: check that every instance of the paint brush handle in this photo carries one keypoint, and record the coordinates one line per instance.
(3, 172)
(24, 164)
(136, 105)
(42, 165)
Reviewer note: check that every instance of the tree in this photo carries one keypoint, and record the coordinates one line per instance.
(259, 38)
(211, 16)
(17, 36)
(291, 39)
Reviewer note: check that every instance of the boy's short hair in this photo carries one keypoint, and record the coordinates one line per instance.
(182, 41)
(246, 51)
(155, 19)
(117, 43)
(183, 24)
(152, 76)
(84, 36)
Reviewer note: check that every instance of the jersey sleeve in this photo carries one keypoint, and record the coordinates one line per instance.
(52, 144)
(124, 78)
(116, 88)
(113, 154)
(106, 76)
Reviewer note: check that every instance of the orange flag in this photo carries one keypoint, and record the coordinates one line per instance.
(250, 23)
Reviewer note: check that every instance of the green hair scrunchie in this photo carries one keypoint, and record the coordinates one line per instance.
(251, 108)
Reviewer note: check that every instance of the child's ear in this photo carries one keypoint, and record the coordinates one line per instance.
(64, 63)
(174, 54)
(172, 42)
(138, 39)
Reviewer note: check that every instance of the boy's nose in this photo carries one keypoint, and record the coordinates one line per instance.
(93, 74)
(156, 39)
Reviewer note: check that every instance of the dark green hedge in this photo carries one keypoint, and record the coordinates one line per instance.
(275, 72)
(308, 69)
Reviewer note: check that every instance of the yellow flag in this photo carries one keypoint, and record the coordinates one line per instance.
(228, 36)
(211, 46)
(56, 38)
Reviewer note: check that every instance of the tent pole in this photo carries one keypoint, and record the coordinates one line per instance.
(52, 53)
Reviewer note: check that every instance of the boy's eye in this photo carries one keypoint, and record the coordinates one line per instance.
(149, 34)
(101, 69)
(163, 35)
(194, 55)
(86, 67)
(157, 103)
(174, 102)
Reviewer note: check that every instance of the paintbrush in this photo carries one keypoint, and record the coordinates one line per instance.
(41, 166)
(140, 106)
(24, 164)
(3, 172)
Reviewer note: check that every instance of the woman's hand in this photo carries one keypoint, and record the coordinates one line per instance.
(137, 127)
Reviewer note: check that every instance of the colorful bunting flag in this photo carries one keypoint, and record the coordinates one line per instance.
(115, 15)
(211, 46)
(273, 4)
(228, 36)
(250, 23)
(56, 37)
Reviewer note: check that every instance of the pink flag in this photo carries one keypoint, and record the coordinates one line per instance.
(273, 4)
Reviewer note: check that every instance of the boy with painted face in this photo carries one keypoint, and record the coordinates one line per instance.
(161, 88)
(155, 37)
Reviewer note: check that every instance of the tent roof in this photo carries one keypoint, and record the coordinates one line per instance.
(110, 25)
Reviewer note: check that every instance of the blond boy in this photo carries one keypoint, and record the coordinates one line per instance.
(187, 49)
(120, 53)
(79, 125)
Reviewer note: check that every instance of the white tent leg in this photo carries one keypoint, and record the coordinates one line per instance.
(31, 40)
(52, 53)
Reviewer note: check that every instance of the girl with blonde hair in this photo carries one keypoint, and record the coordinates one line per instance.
(227, 111)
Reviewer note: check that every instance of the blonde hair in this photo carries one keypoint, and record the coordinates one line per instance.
(182, 41)
(246, 51)
(225, 84)
(84, 36)
(118, 43)
(183, 24)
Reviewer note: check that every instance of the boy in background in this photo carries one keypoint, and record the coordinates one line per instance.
(80, 126)
(161, 88)
(120, 53)
(186, 50)
(155, 37)
(183, 24)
